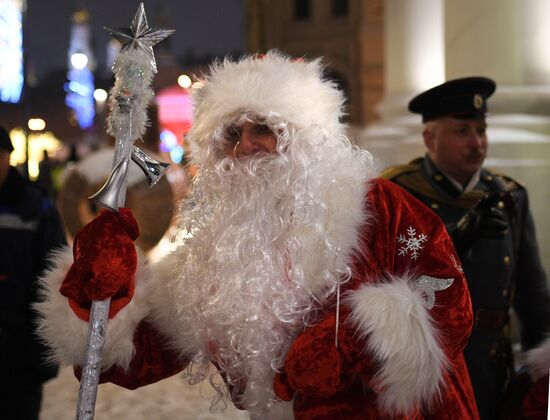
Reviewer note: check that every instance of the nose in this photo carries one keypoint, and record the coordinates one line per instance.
(476, 140)
(247, 144)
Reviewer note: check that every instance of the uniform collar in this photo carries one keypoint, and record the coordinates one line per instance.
(471, 184)
(446, 183)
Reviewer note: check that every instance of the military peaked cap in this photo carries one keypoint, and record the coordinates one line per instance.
(459, 98)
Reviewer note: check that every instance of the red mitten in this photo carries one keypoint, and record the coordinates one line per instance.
(282, 388)
(313, 365)
(105, 262)
(317, 368)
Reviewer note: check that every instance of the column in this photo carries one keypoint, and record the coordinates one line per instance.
(414, 45)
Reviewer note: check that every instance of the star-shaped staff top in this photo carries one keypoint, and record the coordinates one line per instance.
(140, 36)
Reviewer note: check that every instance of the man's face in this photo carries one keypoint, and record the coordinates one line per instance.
(251, 139)
(4, 165)
(457, 146)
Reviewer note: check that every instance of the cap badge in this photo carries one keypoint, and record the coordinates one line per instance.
(478, 101)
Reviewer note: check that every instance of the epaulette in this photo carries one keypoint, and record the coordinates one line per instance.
(509, 183)
(392, 172)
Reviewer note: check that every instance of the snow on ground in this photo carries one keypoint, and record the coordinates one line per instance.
(170, 399)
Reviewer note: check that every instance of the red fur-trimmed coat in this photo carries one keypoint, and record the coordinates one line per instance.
(404, 319)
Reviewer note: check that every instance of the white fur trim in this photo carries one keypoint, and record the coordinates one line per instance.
(538, 360)
(272, 86)
(164, 303)
(399, 333)
(66, 334)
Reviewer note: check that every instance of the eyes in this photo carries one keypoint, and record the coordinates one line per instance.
(234, 133)
(261, 130)
(465, 130)
(249, 139)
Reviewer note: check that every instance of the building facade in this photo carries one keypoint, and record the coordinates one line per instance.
(387, 51)
(347, 33)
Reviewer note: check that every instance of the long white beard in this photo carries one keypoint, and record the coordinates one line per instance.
(266, 252)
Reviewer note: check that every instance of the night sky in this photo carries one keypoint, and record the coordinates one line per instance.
(203, 27)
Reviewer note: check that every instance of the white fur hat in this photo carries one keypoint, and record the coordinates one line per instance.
(273, 87)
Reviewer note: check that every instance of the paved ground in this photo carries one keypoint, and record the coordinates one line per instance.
(170, 399)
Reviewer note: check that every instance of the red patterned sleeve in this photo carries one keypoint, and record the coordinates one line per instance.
(412, 257)
(404, 319)
(411, 241)
(153, 361)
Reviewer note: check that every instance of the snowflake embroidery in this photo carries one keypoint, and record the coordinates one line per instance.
(412, 243)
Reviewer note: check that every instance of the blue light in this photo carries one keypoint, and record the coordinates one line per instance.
(11, 57)
(79, 89)
(176, 154)
(80, 86)
(80, 96)
(169, 143)
(168, 139)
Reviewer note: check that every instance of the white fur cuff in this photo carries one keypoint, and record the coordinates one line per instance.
(538, 360)
(399, 333)
(66, 334)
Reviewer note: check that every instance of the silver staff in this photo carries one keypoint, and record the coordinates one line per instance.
(134, 68)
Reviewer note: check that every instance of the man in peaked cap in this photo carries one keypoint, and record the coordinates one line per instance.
(489, 220)
(315, 289)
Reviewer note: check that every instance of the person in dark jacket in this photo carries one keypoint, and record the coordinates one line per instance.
(30, 228)
(488, 217)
